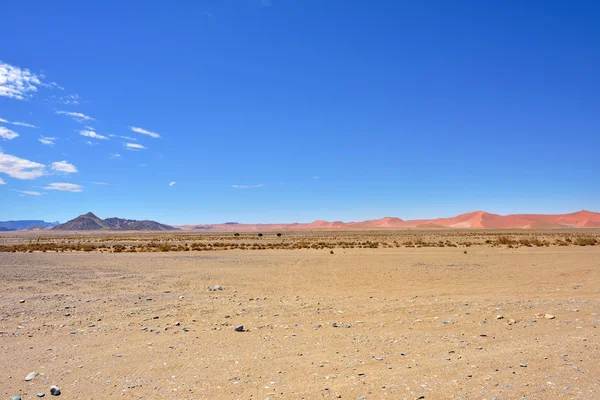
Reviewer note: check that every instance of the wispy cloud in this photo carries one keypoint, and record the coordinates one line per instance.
(70, 99)
(49, 141)
(124, 137)
(2, 181)
(7, 134)
(134, 146)
(17, 83)
(99, 183)
(172, 183)
(18, 123)
(77, 116)
(65, 187)
(20, 168)
(144, 132)
(247, 186)
(25, 124)
(63, 166)
(92, 134)
(114, 155)
(28, 192)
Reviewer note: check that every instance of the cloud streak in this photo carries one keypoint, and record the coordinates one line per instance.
(65, 187)
(2, 181)
(144, 132)
(92, 134)
(48, 141)
(172, 183)
(28, 192)
(20, 168)
(247, 186)
(18, 123)
(77, 116)
(134, 146)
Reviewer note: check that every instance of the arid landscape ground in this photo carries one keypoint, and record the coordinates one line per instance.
(437, 314)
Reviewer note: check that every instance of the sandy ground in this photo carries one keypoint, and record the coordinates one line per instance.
(394, 323)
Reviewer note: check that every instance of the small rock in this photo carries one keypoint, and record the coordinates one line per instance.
(54, 390)
(239, 328)
(21, 301)
(499, 317)
(41, 394)
(523, 365)
(16, 398)
(548, 316)
(218, 287)
(30, 376)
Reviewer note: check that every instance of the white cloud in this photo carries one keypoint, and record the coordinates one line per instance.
(20, 168)
(49, 141)
(2, 181)
(114, 155)
(92, 134)
(63, 166)
(125, 137)
(144, 132)
(17, 83)
(79, 117)
(29, 192)
(100, 183)
(172, 183)
(134, 146)
(19, 123)
(246, 186)
(65, 187)
(70, 99)
(6, 133)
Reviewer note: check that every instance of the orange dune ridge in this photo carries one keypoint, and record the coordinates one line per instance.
(475, 219)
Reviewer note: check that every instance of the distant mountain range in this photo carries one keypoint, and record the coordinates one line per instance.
(90, 222)
(25, 224)
(475, 219)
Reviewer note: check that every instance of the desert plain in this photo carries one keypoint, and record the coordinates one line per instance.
(435, 314)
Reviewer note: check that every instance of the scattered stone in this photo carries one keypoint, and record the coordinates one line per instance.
(55, 391)
(499, 316)
(41, 394)
(523, 365)
(239, 328)
(576, 368)
(218, 287)
(379, 358)
(30, 376)
(549, 316)
(16, 398)
(21, 301)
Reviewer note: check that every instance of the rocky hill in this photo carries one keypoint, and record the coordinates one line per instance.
(90, 222)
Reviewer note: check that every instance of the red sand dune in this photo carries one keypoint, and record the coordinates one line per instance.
(475, 219)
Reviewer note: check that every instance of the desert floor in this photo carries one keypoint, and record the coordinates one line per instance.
(386, 323)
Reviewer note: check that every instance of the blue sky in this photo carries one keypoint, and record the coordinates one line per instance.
(282, 111)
